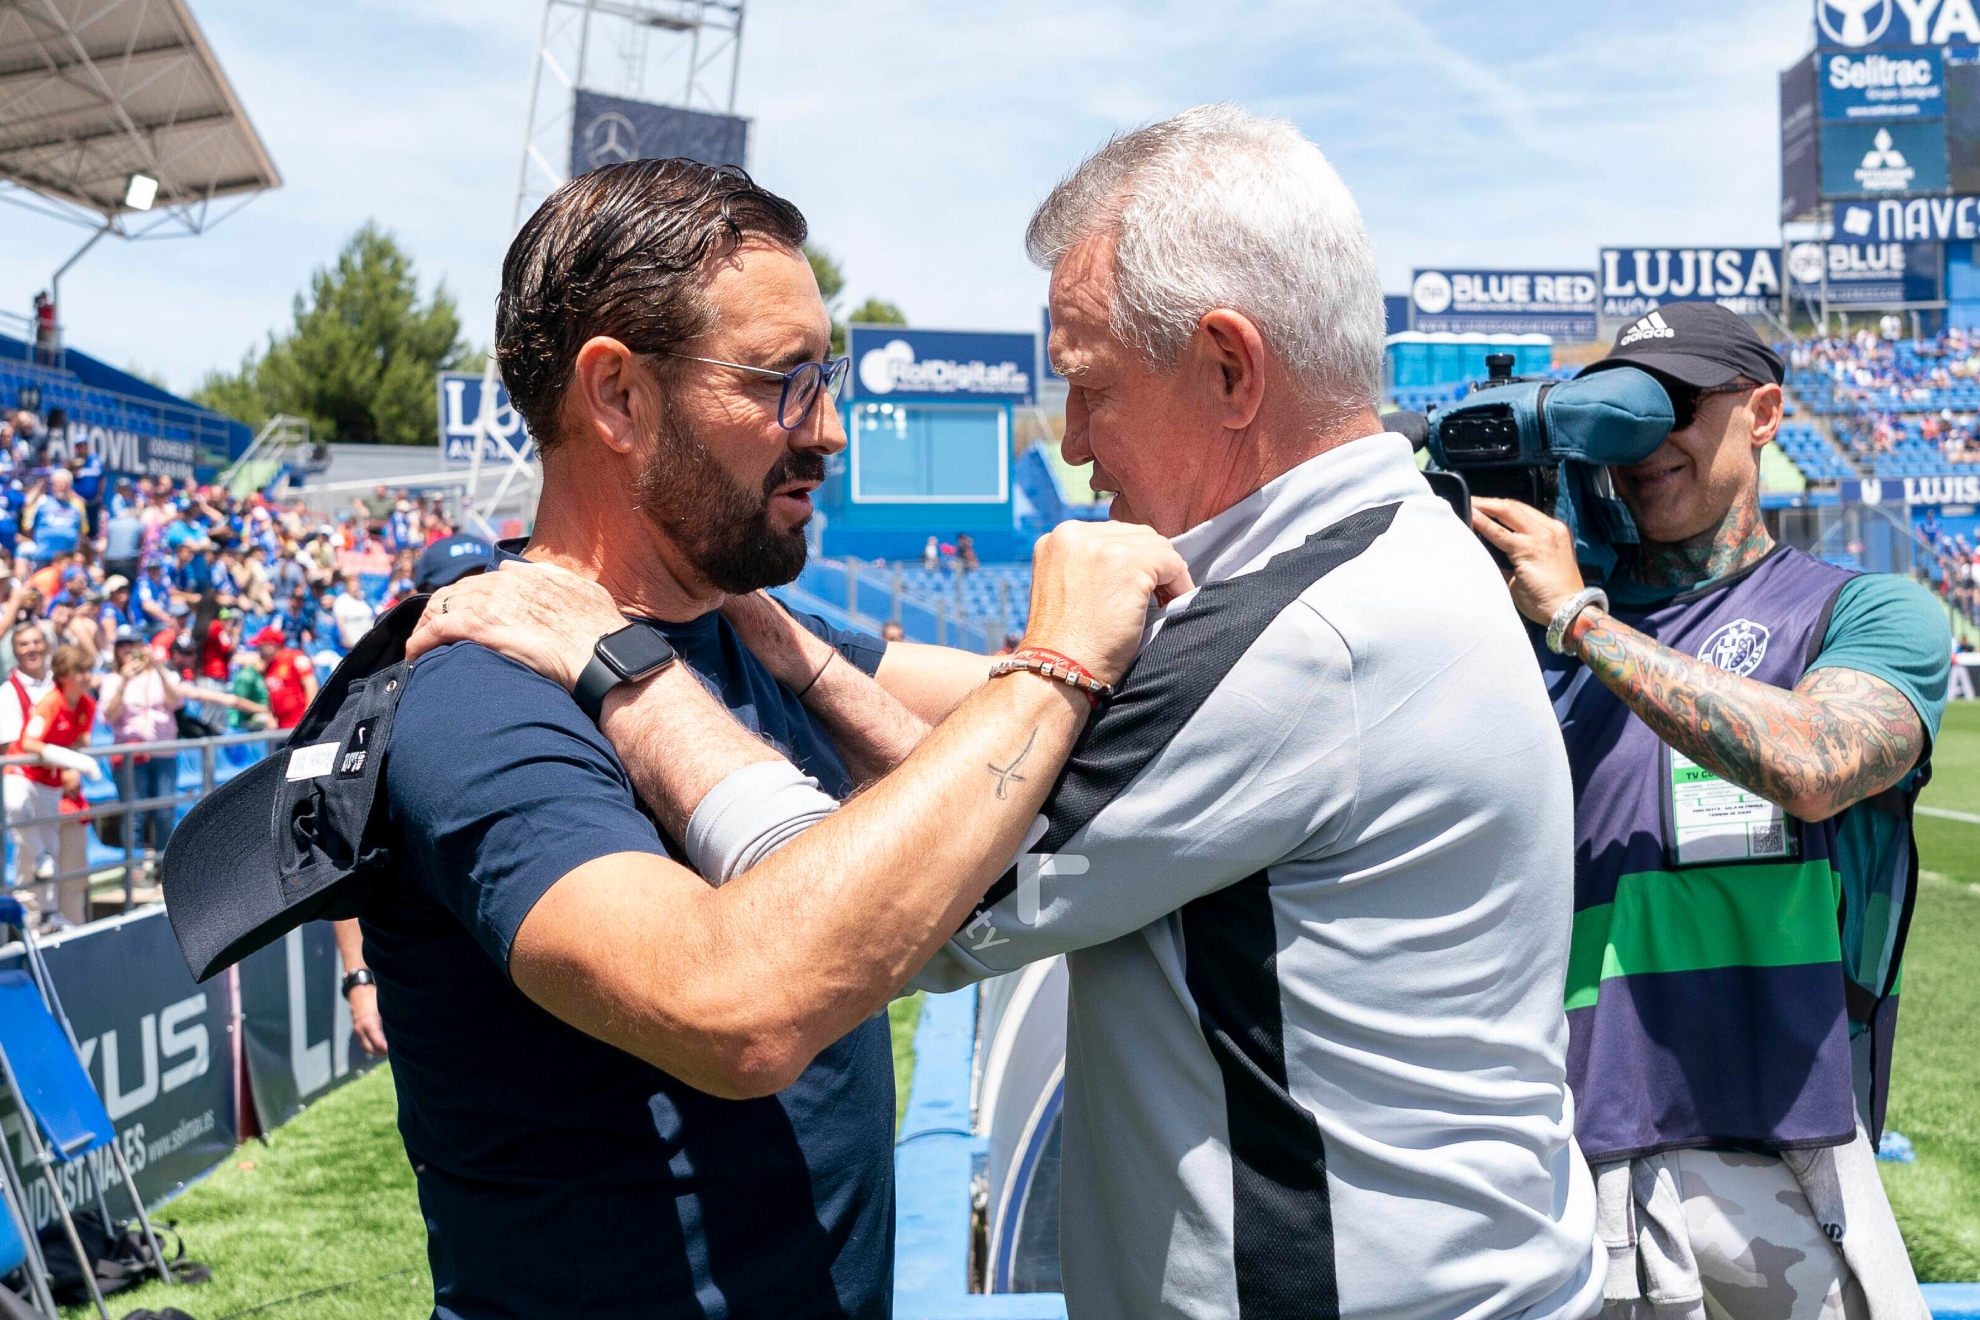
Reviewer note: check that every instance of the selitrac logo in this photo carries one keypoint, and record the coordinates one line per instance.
(892, 367)
(1884, 168)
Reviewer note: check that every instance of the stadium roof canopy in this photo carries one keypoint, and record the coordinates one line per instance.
(95, 91)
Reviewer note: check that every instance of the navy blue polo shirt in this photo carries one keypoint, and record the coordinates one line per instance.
(559, 1176)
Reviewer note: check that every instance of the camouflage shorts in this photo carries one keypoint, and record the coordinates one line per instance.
(1761, 1254)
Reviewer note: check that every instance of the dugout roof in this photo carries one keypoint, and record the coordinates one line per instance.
(92, 91)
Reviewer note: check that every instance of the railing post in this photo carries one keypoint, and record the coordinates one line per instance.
(852, 587)
(942, 624)
(128, 780)
(894, 604)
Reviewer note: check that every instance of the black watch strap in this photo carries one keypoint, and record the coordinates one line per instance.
(597, 679)
(362, 976)
(628, 655)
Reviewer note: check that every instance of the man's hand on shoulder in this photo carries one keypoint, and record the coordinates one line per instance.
(538, 615)
(1091, 584)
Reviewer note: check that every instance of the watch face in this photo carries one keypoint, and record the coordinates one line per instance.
(635, 651)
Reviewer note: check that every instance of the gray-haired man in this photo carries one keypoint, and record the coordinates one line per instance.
(1311, 865)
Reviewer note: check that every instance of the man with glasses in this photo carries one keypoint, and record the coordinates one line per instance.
(626, 1091)
(1747, 727)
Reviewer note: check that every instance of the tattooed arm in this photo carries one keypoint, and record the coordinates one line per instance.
(1839, 737)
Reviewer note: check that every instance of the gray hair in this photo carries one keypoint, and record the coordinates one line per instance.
(1219, 207)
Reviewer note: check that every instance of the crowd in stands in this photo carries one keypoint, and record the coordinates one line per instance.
(1909, 406)
(142, 609)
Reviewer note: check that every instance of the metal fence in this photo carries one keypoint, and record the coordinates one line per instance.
(127, 810)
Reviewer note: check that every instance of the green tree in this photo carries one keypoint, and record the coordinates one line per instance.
(876, 311)
(832, 285)
(360, 358)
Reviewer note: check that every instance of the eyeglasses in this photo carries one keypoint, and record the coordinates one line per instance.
(1684, 399)
(802, 384)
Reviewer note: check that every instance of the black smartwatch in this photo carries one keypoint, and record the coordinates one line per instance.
(362, 976)
(634, 652)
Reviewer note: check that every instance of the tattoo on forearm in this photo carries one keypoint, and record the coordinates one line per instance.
(1840, 736)
(1007, 774)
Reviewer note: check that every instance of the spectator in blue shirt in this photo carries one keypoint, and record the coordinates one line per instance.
(55, 518)
(123, 541)
(153, 594)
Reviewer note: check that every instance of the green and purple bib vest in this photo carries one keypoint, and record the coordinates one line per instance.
(1709, 996)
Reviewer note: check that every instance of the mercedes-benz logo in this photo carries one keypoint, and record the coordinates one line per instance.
(610, 139)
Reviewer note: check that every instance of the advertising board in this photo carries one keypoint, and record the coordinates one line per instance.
(1866, 24)
(609, 130)
(1896, 84)
(159, 1049)
(1801, 170)
(299, 1040)
(459, 396)
(1560, 303)
(1637, 280)
(894, 364)
(1901, 156)
(1865, 274)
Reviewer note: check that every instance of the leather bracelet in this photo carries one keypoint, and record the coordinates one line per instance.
(1569, 611)
(1059, 668)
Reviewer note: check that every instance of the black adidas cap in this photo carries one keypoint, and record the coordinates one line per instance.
(1699, 343)
(299, 835)
(450, 560)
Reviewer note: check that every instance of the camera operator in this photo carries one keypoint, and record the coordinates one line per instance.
(1744, 763)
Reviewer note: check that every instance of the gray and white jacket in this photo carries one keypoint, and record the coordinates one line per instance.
(1314, 893)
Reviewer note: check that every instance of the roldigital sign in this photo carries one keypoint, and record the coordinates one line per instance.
(1887, 105)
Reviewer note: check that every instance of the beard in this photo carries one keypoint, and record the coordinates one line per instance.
(720, 525)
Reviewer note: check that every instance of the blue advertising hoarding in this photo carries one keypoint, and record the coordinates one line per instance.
(1801, 171)
(1912, 220)
(894, 364)
(459, 397)
(1549, 302)
(1637, 280)
(1897, 84)
(1897, 157)
(1862, 24)
(1866, 274)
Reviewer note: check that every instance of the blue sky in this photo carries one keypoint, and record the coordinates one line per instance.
(918, 136)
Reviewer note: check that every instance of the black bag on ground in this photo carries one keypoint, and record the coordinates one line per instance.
(118, 1254)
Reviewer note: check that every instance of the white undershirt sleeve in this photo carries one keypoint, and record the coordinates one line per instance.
(752, 813)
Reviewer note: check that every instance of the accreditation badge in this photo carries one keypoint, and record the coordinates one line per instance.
(1712, 820)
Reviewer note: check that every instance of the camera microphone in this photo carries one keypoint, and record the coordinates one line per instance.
(1412, 426)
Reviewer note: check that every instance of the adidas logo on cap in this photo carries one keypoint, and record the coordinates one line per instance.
(1650, 327)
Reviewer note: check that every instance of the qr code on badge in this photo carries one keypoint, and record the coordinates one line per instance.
(1769, 840)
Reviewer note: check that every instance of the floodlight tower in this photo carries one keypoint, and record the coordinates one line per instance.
(684, 53)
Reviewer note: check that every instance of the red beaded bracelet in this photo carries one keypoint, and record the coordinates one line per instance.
(1059, 668)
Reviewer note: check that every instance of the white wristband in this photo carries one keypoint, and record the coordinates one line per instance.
(1570, 609)
(753, 812)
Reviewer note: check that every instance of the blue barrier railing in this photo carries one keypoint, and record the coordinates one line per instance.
(932, 1163)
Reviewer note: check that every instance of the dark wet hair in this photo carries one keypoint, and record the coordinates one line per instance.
(621, 251)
